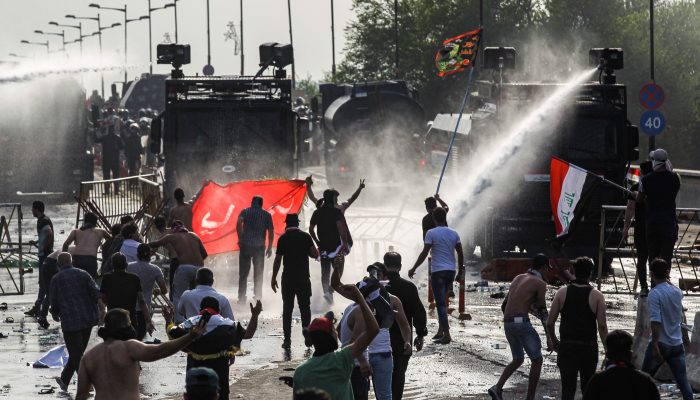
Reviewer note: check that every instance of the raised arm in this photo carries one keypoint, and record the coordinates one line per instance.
(442, 203)
(354, 196)
(253, 323)
(309, 190)
(69, 240)
(151, 352)
(421, 257)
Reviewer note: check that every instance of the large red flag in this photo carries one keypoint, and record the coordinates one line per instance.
(216, 210)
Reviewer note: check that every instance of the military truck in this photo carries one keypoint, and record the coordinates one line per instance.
(593, 132)
(368, 126)
(44, 144)
(225, 128)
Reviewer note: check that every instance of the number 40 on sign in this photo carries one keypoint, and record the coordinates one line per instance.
(652, 122)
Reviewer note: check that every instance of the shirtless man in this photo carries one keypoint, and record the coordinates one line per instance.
(160, 226)
(87, 242)
(526, 295)
(112, 367)
(343, 206)
(182, 211)
(191, 254)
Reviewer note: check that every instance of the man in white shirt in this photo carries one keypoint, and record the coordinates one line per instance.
(189, 304)
(150, 276)
(442, 243)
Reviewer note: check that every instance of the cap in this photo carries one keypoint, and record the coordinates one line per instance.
(321, 324)
(377, 266)
(202, 377)
(659, 155)
(292, 219)
(539, 261)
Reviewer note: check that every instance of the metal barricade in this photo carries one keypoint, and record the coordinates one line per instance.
(612, 245)
(137, 195)
(374, 234)
(12, 255)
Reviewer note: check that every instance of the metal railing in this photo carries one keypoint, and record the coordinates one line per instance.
(612, 244)
(134, 195)
(12, 256)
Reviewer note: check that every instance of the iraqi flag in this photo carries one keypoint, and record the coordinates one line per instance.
(569, 187)
(216, 210)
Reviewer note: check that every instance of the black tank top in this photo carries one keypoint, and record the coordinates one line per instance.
(578, 321)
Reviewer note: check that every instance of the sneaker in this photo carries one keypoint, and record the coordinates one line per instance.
(287, 344)
(438, 336)
(33, 312)
(63, 386)
(43, 323)
(496, 393)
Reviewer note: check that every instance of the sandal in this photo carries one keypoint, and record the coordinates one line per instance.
(9, 320)
(47, 391)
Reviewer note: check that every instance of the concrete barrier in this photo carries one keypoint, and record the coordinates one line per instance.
(642, 337)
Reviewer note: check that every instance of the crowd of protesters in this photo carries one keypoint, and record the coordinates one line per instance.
(374, 338)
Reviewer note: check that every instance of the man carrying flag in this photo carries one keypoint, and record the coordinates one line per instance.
(568, 184)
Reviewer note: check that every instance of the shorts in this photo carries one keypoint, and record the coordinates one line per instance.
(522, 339)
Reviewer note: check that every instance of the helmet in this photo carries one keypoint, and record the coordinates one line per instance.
(149, 112)
(299, 101)
(134, 128)
(142, 112)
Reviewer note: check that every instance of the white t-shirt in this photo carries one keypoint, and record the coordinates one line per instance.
(129, 248)
(443, 241)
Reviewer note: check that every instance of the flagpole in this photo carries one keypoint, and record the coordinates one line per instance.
(454, 133)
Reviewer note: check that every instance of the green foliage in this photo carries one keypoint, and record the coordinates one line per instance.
(552, 38)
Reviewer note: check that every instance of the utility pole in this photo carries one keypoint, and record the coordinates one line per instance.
(291, 39)
(208, 37)
(396, 35)
(150, 40)
(333, 39)
(652, 139)
(242, 52)
(126, 22)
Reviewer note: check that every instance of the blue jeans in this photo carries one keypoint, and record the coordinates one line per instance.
(523, 338)
(442, 282)
(382, 368)
(675, 357)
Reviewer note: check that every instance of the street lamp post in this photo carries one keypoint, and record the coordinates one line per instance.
(62, 34)
(126, 23)
(79, 27)
(100, 28)
(38, 44)
(150, 32)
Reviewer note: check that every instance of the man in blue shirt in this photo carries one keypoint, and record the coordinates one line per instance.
(667, 337)
(75, 301)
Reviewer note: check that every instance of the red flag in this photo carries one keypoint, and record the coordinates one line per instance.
(567, 185)
(216, 210)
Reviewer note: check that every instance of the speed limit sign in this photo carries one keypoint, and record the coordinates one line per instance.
(652, 122)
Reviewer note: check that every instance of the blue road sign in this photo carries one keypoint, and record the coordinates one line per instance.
(652, 122)
(651, 96)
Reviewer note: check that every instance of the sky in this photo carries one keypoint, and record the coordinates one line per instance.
(264, 21)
